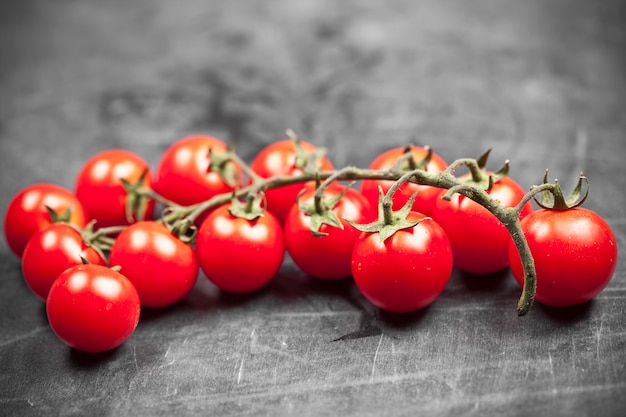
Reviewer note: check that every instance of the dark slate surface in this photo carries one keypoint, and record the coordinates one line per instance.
(542, 82)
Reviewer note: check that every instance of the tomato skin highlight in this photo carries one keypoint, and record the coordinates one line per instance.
(183, 175)
(326, 257)
(26, 213)
(162, 268)
(575, 254)
(51, 251)
(279, 159)
(479, 240)
(99, 187)
(239, 255)
(426, 196)
(93, 308)
(408, 272)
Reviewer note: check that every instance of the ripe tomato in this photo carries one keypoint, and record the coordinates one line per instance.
(239, 255)
(479, 240)
(575, 254)
(328, 256)
(51, 251)
(99, 186)
(27, 213)
(92, 308)
(162, 268)
(280, 159)
(426, 196)
(183, 175)
(408, 271)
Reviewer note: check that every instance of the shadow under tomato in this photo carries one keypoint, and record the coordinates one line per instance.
(492, 282)
(402, 320)
(81, 359)
(566, 315)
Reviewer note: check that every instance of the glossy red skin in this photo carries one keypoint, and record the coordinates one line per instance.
(575, 254)
(162, 268)
(239, 255)
(326, 257)
(51, 251)
(93, 308)
(408, 272)
(427, 195)
(183, 175)
(99, 187)
(479, 240)
(27, 213)
(279, 159)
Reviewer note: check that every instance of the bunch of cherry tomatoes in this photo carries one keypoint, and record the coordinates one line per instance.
(98, 254)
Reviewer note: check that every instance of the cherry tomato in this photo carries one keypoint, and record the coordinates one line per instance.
(328, 256)
(240, 255)
(92, 308)
(408, 271)
(183, 175)
(575, 254)
(27, 213)
(426, 196)
(51, 251)
(280, 159)
(162, 268)
(99, 186)
(479, 240)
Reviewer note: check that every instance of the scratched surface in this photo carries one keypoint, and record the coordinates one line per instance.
(542, 82)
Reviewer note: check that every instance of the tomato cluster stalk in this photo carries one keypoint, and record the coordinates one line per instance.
(182, 219)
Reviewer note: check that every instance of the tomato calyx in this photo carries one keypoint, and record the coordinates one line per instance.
(552, 197)
(407, 162)
(306, 161)
(222, 164)
(251, 209)
(478, 175)
(138, 198)
(321, 210)
(100, 240)
(56, 217)
(390, 221)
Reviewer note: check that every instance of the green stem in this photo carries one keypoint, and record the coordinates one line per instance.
(471, 164)
(446, 180)
(245, 167)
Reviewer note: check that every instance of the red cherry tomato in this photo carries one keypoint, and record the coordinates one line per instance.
(27, 213)
(328, 256)
(183, 175)
(51, 251)
(479, 240)
(239, 255)
(408, 271)
(99, 186)
(93, 308)
(426, 196)
(575, 254)
(279, 159)
(162, 268)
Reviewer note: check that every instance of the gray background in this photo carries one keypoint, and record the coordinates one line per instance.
(542, 82)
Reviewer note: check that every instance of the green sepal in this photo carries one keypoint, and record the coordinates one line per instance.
(482, 159)
(321, 212)
(184, 230)
(389, 221)
(479, 177)
(59, 217)
(553, 198)
(307, 161)
(221, 163)
(251, 209)
(407, 161)
(136, 203)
